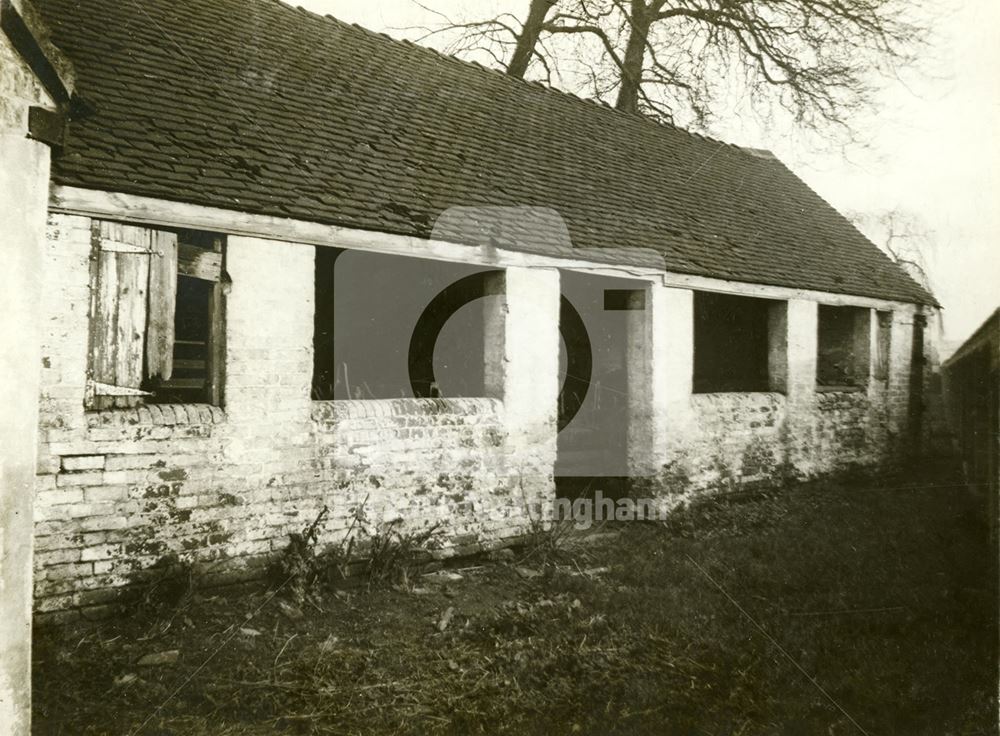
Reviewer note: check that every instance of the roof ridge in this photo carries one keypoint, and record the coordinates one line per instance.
(547, 88)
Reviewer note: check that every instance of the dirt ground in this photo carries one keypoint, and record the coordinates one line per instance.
(862, 607)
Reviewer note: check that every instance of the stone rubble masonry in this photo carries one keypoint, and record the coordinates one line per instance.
(224, 487)
(729, 441)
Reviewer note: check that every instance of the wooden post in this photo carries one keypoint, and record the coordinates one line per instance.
(217, 332)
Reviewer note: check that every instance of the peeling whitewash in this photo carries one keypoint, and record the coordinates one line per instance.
(119, 489)
(224, 487)
(91, 500)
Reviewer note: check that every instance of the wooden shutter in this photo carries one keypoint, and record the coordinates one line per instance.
(162, 305)
(217, 321)
(119, 285)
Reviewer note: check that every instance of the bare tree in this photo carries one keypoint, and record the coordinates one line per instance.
(527, 39)
(903, 236)
(812, 58)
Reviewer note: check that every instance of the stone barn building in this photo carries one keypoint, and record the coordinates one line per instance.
(283, 263)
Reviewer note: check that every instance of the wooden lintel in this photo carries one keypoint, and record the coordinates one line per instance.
(153, 212)
(156, 212)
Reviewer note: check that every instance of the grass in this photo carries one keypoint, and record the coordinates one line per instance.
(828, 608)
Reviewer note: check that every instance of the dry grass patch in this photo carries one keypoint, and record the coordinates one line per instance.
(879, 591)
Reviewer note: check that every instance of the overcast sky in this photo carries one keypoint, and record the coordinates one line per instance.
(934, 144)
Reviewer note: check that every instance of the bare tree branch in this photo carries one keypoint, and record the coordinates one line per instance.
(818, 60)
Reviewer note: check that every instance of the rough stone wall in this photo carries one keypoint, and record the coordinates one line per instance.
(223, 488)
(893, 397)
(847, 433)
(738, 439)
(722, 442)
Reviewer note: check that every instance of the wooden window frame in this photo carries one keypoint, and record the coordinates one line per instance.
(132, 341)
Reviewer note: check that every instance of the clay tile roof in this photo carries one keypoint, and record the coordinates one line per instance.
(256, 106)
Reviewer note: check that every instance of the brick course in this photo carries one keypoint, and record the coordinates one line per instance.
(224, 488)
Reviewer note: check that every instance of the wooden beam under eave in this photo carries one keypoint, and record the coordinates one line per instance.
(152, 211)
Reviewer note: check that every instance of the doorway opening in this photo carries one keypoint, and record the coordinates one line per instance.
(594, 324)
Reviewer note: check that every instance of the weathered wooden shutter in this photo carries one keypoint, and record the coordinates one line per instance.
(120, 280)
(134, 275)
(162, 305)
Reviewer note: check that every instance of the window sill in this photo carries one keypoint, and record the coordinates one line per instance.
(338, 409)
(841, 389)
(161, 415)
(738, 393)
(725, 401)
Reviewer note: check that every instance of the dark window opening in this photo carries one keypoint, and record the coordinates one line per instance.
(731, 342)
(192, 333)
(389, 327)
(196, 374)
(326, 375)
(843, 346)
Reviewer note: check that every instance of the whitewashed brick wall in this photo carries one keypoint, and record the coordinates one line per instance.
(223, 488)
(119, 490)
(422, 463)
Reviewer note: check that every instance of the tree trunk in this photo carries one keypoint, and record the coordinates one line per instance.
(528, 39)
(634, 58)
